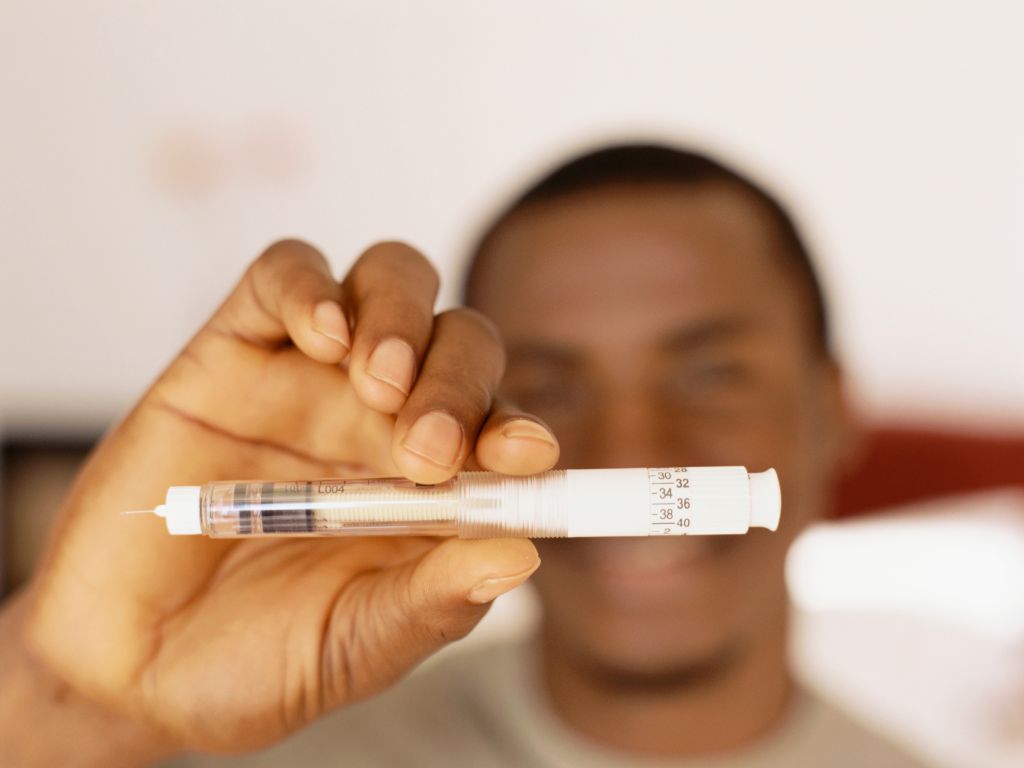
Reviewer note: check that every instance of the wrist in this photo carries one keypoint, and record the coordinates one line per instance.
(45, 722)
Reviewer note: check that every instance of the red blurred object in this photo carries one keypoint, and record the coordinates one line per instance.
(901, 465)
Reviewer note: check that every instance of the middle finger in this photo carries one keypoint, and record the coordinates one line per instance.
(437, 427)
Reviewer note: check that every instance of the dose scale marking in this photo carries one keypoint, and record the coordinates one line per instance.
(687, 501)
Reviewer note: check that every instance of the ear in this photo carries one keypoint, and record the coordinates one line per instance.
(842, 429)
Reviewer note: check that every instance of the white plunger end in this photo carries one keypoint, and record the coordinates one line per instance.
(765, 500)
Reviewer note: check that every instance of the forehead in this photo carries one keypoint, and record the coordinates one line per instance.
(628, 263)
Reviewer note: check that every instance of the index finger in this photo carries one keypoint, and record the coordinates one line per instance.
(288, 293)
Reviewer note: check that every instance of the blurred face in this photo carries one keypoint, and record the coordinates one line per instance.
(658, 326)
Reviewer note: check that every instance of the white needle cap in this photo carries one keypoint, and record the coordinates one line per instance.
(181, 510)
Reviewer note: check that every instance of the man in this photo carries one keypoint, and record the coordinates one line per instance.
(657, 309)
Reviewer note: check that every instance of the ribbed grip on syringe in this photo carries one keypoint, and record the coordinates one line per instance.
(493, 505)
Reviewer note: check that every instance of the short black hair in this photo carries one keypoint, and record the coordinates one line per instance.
(655, 164)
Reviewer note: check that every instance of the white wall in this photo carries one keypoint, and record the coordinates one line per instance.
(150, 150)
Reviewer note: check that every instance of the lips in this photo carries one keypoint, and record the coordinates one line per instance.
(644, 555)
(644, 570)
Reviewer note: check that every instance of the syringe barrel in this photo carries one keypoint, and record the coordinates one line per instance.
(377, 507)
(606, 502)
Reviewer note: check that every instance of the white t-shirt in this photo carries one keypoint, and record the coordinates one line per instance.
(485, 709)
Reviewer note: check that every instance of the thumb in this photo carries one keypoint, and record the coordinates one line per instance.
(392, 619)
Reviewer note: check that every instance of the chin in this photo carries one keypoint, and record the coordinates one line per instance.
(642, 607)
(654, 643)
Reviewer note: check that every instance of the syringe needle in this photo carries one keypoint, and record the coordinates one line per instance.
(137, 512)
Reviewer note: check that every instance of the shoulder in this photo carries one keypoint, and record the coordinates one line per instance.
(826, 730)
(444, 703)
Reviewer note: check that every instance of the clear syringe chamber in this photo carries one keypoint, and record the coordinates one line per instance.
(663, 501)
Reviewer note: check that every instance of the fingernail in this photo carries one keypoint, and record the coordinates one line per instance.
(489, 589)
(393, 362)
(528, 430)
(329, 321)
(436, 436)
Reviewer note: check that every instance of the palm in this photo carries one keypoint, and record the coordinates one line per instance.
(263, 617)
(238, 411)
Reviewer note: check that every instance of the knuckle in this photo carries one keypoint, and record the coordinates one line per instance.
(461, 393)
(479, 395)
(482, 334)
(282, 256)
(446, 629)
(469, 319)
(396, 317)
(395, 257)
(434, 624)
(281, 250)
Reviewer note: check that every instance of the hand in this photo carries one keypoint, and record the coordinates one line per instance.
(228, 645)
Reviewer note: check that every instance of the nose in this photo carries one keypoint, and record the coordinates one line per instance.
(630, 430)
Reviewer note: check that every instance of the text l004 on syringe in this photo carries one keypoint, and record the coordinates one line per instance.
(661, 501)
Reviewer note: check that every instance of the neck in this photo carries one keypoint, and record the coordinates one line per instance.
(700, 714)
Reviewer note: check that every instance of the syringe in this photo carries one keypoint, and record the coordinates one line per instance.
(663, 501)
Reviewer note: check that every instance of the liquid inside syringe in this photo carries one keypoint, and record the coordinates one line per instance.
(663, 501)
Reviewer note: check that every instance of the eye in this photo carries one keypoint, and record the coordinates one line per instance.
(534, 397)
(720, 374)
(548, 395)
(708, 379)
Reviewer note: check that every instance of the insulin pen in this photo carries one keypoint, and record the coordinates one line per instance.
(663, 501)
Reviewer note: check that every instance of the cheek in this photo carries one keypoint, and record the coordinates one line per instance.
(787, 432)
(580, 446)
(805, 462)
(564, 587)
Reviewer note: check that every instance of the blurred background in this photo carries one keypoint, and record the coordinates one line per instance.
(149, 151)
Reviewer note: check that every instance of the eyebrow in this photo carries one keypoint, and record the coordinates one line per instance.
(706, 332)
(545, 353)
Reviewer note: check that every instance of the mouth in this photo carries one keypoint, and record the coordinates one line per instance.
(645, 569)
